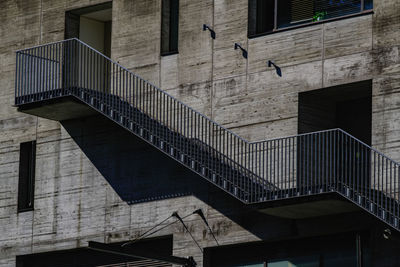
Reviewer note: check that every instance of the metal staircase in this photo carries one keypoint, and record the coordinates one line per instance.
(253, 172)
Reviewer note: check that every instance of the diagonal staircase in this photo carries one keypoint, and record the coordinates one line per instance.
(253, 172)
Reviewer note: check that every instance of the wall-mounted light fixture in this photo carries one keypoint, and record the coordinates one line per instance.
(244, 52)
(278, 70)
(212, 33)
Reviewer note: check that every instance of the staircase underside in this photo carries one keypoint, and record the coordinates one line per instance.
(308, 206)
(59, 109)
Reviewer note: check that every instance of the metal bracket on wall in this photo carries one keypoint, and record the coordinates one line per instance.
(134, 253)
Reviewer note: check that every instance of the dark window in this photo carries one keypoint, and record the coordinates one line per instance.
(169, 27)
(344, 250)
(26, 181)
(269, 15)
(261, 16)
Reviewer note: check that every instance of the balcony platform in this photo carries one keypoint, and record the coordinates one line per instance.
(307, 206)
(59, 109)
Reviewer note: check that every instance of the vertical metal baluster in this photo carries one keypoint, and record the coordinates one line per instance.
(268, 168)
(358, 163)
(33, 72)
(32, 83)
(140, 104)
(374, 179)
(382, 205)
(186, 133)
(38, 72)
(275, 169)
(331, 159)
(280, 168)
(17, 75)
(43, 63)
(81, 69)
(50, 72)
(285, 178)
(57, 75)
(347, 161)
(387, 186)
(313, 165)
(294, 147)
(24, 86)
(246, 168)
(306, 157)
(59, 80)
(363, 188)
(67, 66)
(390, 192)
(335, 159)
(101, 81)
(242, 182)
(379, 180)
(61, 57)
(264, 170)
(303, 163)
(71, 71)
(259, 177)
(46, 71)
(90, 74)
(85, 81)
(24, 77)
(29, 82)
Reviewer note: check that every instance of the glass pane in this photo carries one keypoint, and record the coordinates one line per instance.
(261, 16)
(335, 8)
(174, 18)
(344, 258)
(165, 25)
(310, 261)
(251, 265)
(295, 12)
(368, 4)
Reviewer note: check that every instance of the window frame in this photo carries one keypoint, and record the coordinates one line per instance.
(363, 12)
(26, 176)
(171, 13)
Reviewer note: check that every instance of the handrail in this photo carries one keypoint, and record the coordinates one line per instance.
(303, 164)
(164, 92)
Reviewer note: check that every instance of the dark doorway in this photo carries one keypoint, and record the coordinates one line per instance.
(334, 158)
(91, 25)
(354, 117)
(345, 106)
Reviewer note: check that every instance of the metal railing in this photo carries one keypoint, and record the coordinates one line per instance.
(305, 164)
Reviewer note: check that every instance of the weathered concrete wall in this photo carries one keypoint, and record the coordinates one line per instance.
(74, 203)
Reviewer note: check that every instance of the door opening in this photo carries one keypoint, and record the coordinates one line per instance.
(91, 25)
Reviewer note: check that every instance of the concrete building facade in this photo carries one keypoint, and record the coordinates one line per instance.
(85, 165)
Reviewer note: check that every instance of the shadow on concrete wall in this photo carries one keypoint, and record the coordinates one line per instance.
(139, 172)
(136, 171)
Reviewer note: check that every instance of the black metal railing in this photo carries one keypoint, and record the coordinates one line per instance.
(254, 172)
